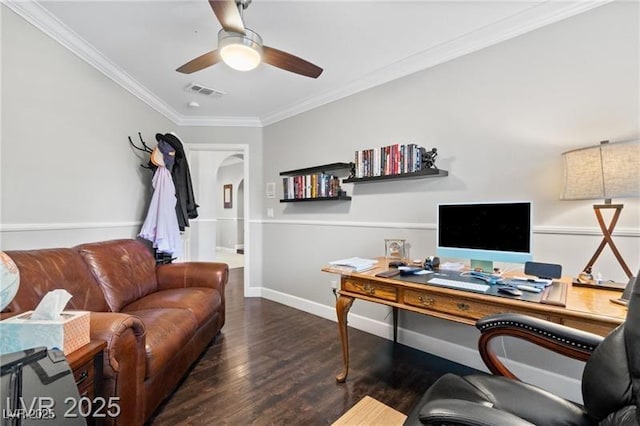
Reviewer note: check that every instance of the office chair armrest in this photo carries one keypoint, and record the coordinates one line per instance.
(567, 341)
(458, 412)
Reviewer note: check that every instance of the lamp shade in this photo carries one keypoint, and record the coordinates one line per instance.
(608, 170)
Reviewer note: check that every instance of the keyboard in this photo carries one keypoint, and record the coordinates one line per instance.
(462, 285)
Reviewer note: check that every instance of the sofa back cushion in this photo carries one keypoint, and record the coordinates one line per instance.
(124, 269)
(48, 269)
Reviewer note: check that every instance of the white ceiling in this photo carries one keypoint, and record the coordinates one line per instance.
(359, 44)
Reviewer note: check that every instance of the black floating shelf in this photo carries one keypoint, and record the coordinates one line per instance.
(295, 200)
(414, 175)
(317, 169)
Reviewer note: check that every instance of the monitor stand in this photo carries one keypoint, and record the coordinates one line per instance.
(482, 266)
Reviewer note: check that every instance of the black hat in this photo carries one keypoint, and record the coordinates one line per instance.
(173, 141)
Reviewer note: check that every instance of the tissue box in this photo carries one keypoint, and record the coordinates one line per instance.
(69, 333)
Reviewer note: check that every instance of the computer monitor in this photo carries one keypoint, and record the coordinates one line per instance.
(485, 233)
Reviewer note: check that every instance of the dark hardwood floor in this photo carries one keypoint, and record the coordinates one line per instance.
(275, 365)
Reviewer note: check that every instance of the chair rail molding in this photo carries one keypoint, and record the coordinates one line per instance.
(25, 227)
(542, 229)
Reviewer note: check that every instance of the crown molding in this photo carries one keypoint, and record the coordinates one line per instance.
(42, 19)
(533, 18)
(219, 121)
(528, 20)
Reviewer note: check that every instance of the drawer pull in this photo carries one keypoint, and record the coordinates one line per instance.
(83, 376)
(427, 301)
(463, 306)
(370, 290)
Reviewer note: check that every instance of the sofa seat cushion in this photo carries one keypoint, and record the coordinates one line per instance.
(167, 330)
(200, 301)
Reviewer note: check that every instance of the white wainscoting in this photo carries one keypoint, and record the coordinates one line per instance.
(25, 236)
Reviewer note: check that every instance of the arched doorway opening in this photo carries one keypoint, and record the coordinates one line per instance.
(229, 189)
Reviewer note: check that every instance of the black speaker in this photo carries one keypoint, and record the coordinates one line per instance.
(543, 270)
(431, 263)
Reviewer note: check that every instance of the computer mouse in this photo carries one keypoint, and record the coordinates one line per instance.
(511, 291)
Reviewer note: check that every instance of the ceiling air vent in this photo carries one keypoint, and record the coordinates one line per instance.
(206, 91)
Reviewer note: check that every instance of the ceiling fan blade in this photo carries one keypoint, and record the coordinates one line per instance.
(201, 62)
(228, 14)
(289, 62)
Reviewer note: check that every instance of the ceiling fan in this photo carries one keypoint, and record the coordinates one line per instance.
(242, 49)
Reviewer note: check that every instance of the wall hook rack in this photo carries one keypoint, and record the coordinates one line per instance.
(145, 148)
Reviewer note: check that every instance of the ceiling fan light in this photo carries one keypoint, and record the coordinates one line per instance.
(241, 52)
(240, 57)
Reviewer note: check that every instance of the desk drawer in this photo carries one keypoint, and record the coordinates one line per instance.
(84, 377)
(447, 304)
(370, 288)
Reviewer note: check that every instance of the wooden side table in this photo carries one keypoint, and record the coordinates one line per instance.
(370, 411)
(86, 364)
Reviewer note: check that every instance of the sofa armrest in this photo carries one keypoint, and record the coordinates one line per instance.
(7, 315)
(193, 274)
(567, 341)
(123, 363)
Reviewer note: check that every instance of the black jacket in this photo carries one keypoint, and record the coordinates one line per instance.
(186, 207)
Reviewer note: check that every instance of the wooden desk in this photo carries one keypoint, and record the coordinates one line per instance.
(586, 309)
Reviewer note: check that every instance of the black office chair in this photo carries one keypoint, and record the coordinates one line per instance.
(610, 381)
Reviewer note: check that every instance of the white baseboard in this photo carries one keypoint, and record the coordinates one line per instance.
(225, 249)
(253, 292)
(563, 386)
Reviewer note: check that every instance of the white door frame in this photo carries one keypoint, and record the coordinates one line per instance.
(244, 150)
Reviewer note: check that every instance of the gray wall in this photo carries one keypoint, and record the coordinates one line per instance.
(68, 172)
(500, 119)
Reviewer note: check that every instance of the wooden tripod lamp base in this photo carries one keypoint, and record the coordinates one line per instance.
(586, 278)
(604, 171)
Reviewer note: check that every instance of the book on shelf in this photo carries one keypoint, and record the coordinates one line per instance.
(356, 264)
(317, 185)
(389, 160)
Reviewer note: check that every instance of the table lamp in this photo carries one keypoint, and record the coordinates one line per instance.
(605, 171)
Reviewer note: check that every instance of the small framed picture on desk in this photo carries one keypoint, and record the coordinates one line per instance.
(395, 249)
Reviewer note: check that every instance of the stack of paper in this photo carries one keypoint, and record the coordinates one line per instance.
(357, 264)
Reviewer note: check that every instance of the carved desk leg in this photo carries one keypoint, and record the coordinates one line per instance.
(343, 304)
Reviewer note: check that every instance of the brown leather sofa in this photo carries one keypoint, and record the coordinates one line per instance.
(156, 319)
